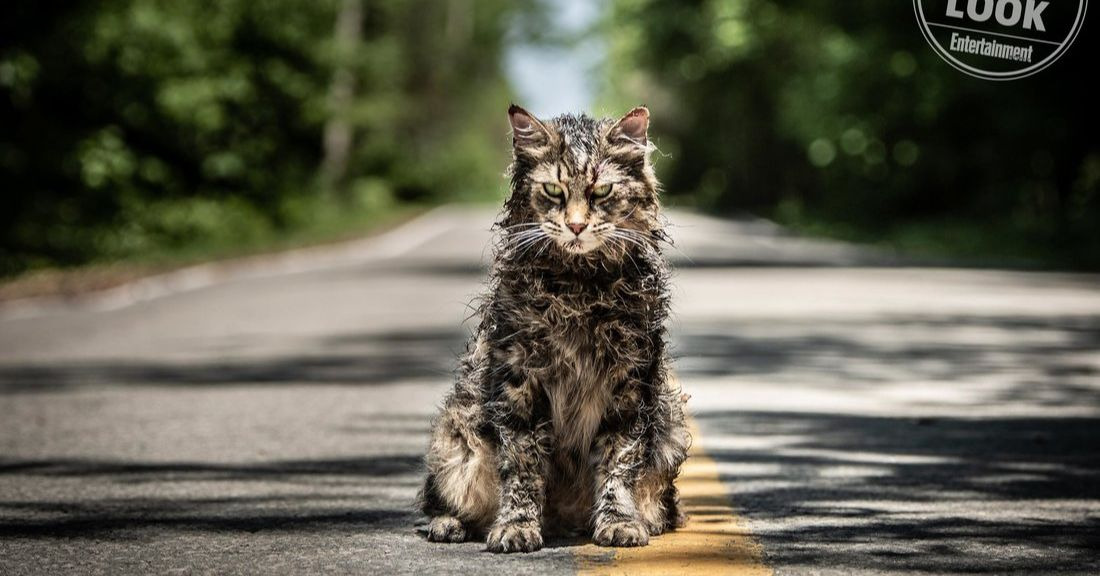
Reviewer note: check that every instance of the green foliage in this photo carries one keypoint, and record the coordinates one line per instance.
(837, 116)
(136, 126)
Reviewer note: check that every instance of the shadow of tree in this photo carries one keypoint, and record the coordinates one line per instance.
(369, 466)
(932, 494)
(1046, 361)
(989, 495)
(354, 359)
(312, 511)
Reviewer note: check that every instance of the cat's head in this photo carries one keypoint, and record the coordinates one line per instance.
(581, 187)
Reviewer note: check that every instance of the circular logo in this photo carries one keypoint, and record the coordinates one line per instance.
(1000, 39)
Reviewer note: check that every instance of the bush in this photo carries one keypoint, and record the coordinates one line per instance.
(137, 126)
(841, 114)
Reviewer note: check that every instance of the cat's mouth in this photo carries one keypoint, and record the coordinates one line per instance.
(578, 246)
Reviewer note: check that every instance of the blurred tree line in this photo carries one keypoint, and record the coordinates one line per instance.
(129, 127)
(838, 118)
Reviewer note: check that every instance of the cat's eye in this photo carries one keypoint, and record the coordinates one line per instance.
(553, 190)
(601, 191)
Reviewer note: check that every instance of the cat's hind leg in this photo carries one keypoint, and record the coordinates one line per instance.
(655, 496)
(655, 493)
(658, 502)
(460, 492)
(447, 529)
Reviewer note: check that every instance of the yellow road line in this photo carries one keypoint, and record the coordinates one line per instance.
(714, 541)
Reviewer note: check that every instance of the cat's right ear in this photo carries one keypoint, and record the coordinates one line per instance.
(527, 131)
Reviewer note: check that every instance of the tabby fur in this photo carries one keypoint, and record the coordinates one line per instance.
(563, 417)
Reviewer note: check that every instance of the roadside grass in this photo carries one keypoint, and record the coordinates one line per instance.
(960, 242)
(955, 242)
(211, 240)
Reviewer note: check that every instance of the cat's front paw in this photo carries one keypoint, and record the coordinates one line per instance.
(514, 537)
(623, 533)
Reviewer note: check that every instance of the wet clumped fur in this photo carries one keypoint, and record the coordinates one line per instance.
(563, 418)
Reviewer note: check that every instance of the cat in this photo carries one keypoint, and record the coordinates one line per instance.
(563, 417)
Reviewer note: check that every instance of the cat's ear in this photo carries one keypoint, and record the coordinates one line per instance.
(633, 127)
(527, 131)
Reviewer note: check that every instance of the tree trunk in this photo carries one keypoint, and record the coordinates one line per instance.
(339, 132)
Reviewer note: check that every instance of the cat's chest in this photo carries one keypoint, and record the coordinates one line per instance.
(579, 345)
(582, 339)
(577, 408)
(588, 348)
(583, 312)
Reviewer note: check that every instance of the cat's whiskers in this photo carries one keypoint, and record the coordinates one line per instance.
(655, 238)
(653, 242)
(529, 242)
(528, 248)
(668, 242)
(622, 235)
(519, 229)
(543, 249)
(521, 225)
(638, 234)
(621, 245)
(523, 236)
(519, 246)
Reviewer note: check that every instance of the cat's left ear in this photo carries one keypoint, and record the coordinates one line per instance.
(527, 131)
(633, 127)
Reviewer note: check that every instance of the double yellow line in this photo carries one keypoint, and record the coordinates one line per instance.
(714, 541)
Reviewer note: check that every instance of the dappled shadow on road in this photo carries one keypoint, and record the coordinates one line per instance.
(824, 490)
(990, 495)
(1040, 361)
(128, 520)
(125, 471)
(294, 496)
(990, 465)
(361, 358)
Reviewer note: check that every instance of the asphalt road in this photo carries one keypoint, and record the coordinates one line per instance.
(866, 417)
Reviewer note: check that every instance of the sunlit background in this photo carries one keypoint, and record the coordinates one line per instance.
(152, 133)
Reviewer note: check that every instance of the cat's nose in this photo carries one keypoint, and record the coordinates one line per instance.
(577, 228)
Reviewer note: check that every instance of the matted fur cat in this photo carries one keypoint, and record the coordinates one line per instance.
(563, 417)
